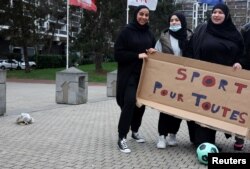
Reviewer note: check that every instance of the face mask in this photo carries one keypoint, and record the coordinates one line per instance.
(175, 28)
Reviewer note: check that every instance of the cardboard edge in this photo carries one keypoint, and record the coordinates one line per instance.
(216, 124)
(138, 104)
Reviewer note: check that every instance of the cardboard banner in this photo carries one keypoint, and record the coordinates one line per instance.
(213, 95)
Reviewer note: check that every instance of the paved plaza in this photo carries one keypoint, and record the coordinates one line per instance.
(84, 136)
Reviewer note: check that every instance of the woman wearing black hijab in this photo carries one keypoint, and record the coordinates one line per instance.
(173, 40)
(131, 47)
(217, 41)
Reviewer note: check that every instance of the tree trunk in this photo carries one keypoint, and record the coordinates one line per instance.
(98, 63)
(26, 59)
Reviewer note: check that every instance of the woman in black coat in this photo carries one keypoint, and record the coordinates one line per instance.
(131, 47)
(217, 41)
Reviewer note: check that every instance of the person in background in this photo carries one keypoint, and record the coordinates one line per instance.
(245, 32)
(217, 41)
(131, 47)
(239, 142)
(173, 40)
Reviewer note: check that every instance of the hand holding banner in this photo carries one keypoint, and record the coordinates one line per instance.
(210, 94)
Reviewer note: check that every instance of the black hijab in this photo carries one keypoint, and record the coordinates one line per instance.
(226, 29)
(181, 34)
(134, 23)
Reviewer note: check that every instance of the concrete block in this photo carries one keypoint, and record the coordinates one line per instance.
(2, 76)
(111, 83)
(2, 92)
(71, 86)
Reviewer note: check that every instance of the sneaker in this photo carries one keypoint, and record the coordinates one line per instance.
(172, 140)
(162, 142)
(138, 138)
(238, 146)
(122, 145)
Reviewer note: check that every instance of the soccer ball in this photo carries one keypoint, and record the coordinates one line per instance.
(203, 150)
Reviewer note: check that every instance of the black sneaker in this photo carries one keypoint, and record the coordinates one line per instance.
(138, 138)
(122, 145)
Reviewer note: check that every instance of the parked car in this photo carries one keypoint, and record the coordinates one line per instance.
(8, 64)
(21, 64)
(14, 64)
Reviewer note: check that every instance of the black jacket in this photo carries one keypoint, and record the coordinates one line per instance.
(230, 55)
(130, 42)
(245, 31)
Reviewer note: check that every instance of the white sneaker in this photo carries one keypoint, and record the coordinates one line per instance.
(172, 140)
(138, 138)
(162, 142)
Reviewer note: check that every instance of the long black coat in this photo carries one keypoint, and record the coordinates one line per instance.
(245, 31)
(230, 54)
(130, 42)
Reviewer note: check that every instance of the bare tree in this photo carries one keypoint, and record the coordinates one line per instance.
(99, 28)
(21, 27)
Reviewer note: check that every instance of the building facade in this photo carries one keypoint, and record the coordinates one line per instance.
(239, 9)
(48, 27)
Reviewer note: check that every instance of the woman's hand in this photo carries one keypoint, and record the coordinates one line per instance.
(143, 55)
(151, 50)
(237, 66)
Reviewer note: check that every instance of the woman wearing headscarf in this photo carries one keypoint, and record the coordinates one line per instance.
(173, 40)
(131, 46)
(217, 41)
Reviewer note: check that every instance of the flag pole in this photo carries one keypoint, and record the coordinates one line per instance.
(67, 43)
(127, 12)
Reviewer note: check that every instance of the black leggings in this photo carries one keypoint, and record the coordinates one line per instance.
(204, 134)
(131, 115)
(170, 124)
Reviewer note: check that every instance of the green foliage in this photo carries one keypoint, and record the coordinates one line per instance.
(99, 29)
(73, 58)
(10, 56)
(4, 5)
(37, 74)
(50, 61)
(56, 11)
(50, 73)
(21, 24)
(159, 17)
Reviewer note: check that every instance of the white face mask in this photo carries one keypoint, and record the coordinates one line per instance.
(175, 28)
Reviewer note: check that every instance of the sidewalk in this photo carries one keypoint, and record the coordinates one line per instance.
(84, 136)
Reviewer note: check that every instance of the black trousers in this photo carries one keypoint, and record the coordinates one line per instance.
(191, 130)
(204, 134)
(170, 124)
(131, 115)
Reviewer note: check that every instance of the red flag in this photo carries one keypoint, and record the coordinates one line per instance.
(86, 4)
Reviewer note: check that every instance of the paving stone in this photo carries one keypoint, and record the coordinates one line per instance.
(85, 136)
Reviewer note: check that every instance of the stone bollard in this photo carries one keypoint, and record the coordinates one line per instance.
(111, 83)
(2, 92)
(71, 86)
